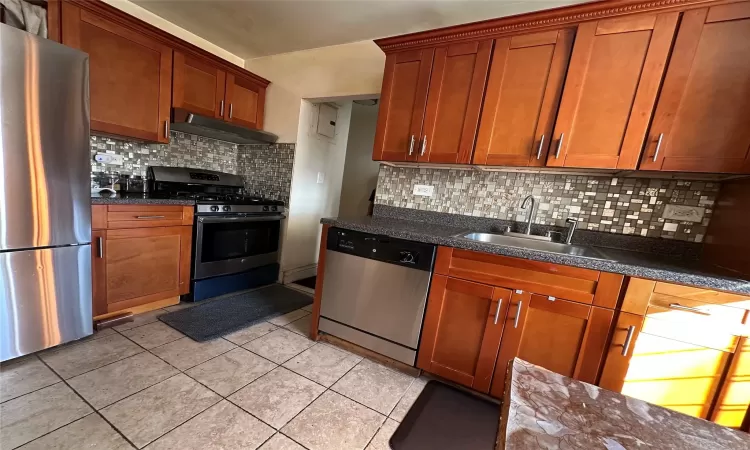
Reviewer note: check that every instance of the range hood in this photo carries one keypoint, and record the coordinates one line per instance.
(210, 127)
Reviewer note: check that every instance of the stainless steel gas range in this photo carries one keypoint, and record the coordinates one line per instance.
(235, 236)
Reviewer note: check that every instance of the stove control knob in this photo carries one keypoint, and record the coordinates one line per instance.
(214, 208)
(265, 208)
(226, 208)
(273, 208)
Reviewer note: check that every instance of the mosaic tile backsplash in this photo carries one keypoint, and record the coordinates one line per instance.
(183, 150)
(670, 209)
(267, 169)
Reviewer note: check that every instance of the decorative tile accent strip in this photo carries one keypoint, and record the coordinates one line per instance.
(634, 206)
(267, 169)
(183, 150)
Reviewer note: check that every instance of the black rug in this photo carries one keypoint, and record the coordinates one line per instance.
(224, 315)
(449, 419)
(307, 282)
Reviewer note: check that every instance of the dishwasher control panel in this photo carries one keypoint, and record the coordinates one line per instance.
(401, 252)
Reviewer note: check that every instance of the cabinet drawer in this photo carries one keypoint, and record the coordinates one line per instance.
(709, 337)
(572, 283)
(642, 295)
(697, 315)
(140, 216)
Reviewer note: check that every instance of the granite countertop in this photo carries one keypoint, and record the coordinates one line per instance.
(136, 199)
(548, 410)
(629, 263)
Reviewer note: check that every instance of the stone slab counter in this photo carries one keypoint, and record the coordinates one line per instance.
(118, 199)
(636, 264)
(547, 410)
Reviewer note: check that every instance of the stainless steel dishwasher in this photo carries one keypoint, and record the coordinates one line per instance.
(375, 291)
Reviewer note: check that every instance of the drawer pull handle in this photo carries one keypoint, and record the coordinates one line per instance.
(628, 340)
(149, 217)
(679, 307)
(497, 311)
(518, 314)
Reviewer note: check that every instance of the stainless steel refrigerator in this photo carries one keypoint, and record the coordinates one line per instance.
(45, 212)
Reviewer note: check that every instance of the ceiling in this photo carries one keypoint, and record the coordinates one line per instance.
(253, 28)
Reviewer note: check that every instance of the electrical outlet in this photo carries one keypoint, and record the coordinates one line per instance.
(424, 190)
(109, 158)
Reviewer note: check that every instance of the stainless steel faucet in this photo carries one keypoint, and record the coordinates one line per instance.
(530, 216)
(572, 224)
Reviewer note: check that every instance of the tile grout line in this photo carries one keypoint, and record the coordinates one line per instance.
(59, 379)
(95, 411)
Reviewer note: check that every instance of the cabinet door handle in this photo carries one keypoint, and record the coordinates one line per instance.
(628, 340)
(221, 108)
(149, 217)
(166, 129)
(230, 110)
(518, 313)
(658, 145)
(411, 145)
(497, 311)
(99, 247)
(539, 150)
(679, 307)
(559, 145)
(424, 146)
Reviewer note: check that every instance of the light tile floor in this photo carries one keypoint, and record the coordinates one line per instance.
(146, 385)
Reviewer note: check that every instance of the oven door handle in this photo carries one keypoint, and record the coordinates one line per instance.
(225, 219)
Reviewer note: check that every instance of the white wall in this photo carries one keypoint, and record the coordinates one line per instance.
(151, 18)
(354, 69)
(360, 171)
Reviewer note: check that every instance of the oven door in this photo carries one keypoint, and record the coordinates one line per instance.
(233, 244)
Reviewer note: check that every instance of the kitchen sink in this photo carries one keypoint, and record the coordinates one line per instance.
(545, 246)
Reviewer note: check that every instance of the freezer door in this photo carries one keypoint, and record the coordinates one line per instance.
(45, 169)
(45, 298)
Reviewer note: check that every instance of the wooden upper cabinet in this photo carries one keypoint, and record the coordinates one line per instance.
(702, 119)
(198, 86)
(523, 93)
(565, 337)
(454, 100)
(130, 75)
(610, 90)
(245, 101)
(403, 100)
(462, 330)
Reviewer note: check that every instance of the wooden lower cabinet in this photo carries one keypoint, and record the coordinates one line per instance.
(702, 372)
(132, 267)
(462, 331)
(563, 336)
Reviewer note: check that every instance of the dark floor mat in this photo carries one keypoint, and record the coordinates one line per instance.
(447, 418)
(307, 282)
(230, 313)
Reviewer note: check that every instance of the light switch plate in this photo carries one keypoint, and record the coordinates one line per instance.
(424, 190)
(321, 177)
(684, 213)
(109, 158)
